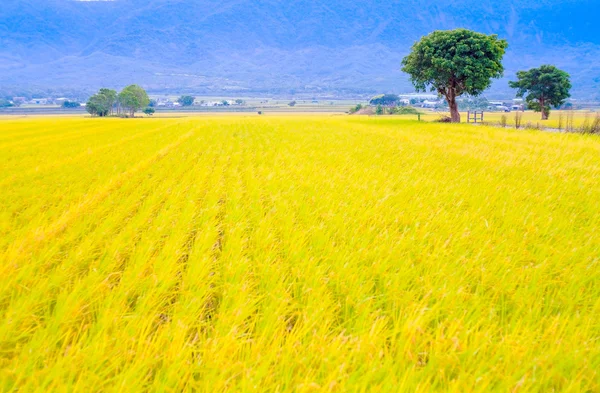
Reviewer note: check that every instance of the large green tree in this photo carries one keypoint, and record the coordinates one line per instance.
(543, 88)
(133, 98)
(455, 62)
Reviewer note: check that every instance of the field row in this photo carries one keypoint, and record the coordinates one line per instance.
(297, 253)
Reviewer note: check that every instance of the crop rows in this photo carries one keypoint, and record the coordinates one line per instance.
(297, 253)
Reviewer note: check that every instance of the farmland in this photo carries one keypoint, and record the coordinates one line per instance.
(297, 253)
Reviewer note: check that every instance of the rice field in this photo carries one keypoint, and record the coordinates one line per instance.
(297, 253)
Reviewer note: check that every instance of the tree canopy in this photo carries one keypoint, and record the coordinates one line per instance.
(186, 100)
(71, 104)
(385, 100)
(455, 62)
(102, 103)
(133, 98)
(543, 88)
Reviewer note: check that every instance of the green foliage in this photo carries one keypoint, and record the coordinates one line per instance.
(225, 103)
(543, 88)
(149, 111)
(403, 110)
(239, 102)
(5, 103)
(475, 103)
(102, 103)
(379, 110)
(356, 108)
(71, 104)
(133, 98)
(455, 62)
(292, 103)
(385, 100)
(186, 100)
(98, 105)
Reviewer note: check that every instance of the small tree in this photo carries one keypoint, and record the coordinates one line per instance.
(239, 102)
(133, 98)
(149, 111)
(292, 103)
(186, 100)
(111, 98)
(544, 87)
(455, 62)
(379, 110)
(98, 105)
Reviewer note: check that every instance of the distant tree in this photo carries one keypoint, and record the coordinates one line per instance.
(355, 109)
(385, 100)
(111, 98)
(5, 103)
(455, 62)
(98, 105)
(186, 100)
(149, 111)
(133, 98)
(152, 103)
(543, 88)
(239, 102)
(225, 103)
(379, 110)
(292, 103)
(71, 104)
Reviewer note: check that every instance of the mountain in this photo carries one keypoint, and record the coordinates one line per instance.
(276, 45)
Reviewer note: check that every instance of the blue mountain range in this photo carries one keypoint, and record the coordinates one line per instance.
(349, 47)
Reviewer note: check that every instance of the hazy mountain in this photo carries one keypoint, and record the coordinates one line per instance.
(261, 45)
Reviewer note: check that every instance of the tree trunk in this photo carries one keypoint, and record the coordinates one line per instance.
(545, 112)
(454, 113)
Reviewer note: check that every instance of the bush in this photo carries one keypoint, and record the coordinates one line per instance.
(518, 119)
(149, 111)
(356, 108)
(403, 110)
(444, 119)
(503, 121)
(592, 127)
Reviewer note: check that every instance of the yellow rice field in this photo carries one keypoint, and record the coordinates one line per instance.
(297, 253)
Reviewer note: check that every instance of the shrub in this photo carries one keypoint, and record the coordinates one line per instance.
(503, 121)
(356, 108)
(518, 119)
(560, 121)
(444, 119)
(592, 127)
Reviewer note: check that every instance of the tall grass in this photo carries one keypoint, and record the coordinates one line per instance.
(296, 254)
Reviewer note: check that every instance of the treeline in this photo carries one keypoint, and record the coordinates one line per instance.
(108, 102)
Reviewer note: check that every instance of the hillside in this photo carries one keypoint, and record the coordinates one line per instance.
(272, 45)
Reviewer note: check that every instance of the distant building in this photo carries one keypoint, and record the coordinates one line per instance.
(429, 104)
(39, 101)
